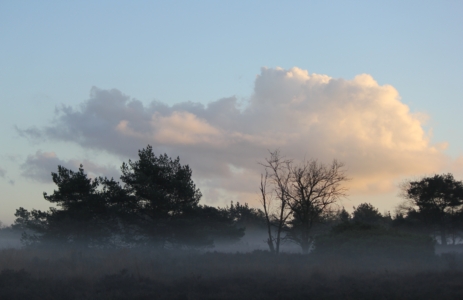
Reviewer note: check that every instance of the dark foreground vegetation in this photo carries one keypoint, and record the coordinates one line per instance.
(130, 274)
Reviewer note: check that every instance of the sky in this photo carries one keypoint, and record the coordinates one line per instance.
(376, 85)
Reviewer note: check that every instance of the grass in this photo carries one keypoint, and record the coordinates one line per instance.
(144, 274)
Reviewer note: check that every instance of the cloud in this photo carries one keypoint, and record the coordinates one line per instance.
(357, 121)
(32, 132)
(180, 128)
(3, 175)
(39, 167)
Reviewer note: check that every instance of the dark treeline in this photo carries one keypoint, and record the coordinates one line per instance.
(300, 202)
(156, 204)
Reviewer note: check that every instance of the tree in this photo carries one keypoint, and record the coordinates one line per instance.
(343, 216)
(306, 193)
(246, 217)
(314, 189)
(206, 225)
(367, 213)
(83, 216)
(278, 176)
(164, 194)
(162, 186)
(367, 244)
(157, 205)
(436, 200)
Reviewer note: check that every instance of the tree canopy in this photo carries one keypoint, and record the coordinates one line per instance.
(367, 213)
(161, 186)
(437, 201)
(156, 203)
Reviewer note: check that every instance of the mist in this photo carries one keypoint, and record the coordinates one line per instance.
(148, 235)
(244, 269)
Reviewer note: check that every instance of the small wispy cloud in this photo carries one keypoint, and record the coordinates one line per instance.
(3, 175)
(39, 167)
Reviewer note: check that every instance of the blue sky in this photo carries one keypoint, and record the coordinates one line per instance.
(54, 52)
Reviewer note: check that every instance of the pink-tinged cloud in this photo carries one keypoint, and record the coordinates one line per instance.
(180, 128)
(357, 121)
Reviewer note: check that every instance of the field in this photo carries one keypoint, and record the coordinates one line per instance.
(145, 274)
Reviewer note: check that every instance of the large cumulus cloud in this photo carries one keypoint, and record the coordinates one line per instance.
(357, 121)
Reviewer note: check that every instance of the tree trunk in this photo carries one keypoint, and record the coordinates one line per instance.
(270, 245)
(305, 243)
(270, 237)
(281, 223)
(305, 247)
(443, 237)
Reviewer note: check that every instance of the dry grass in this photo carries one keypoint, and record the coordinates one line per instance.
(143, 274)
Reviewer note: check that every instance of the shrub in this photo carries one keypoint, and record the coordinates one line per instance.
(364, 241)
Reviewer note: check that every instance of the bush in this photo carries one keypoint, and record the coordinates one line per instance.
(364, 241)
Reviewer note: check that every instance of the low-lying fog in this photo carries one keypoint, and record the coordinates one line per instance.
(251, 241)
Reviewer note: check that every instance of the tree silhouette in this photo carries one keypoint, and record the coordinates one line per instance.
(344, 216)
(436, 200)
(367, 213)
(157, 205)
(276, 201)
(306, 193)
(163, 194)
(162, 186)
(247, 217)
(82, 216)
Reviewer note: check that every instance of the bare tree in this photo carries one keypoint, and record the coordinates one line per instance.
(306, 194)
(276, 171)
(266, 203)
